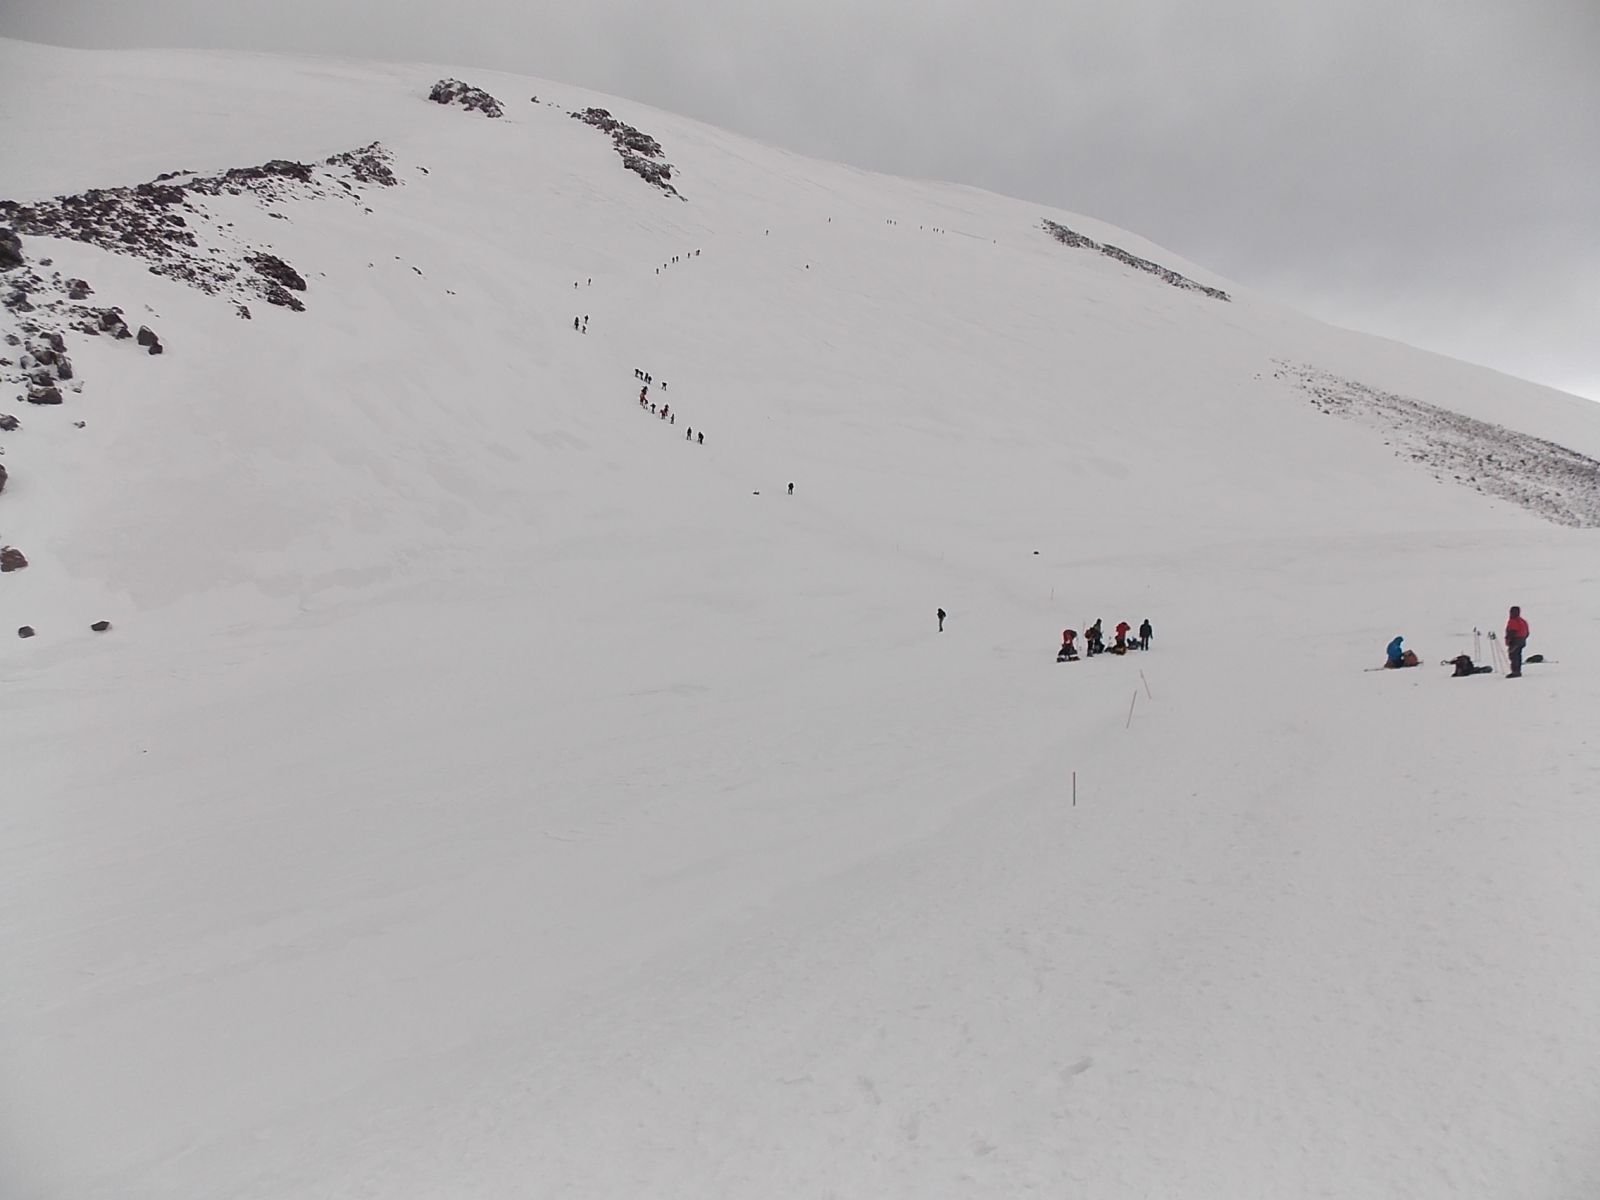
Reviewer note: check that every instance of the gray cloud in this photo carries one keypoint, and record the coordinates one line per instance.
(1428, 170)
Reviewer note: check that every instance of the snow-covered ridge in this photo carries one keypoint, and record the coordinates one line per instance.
(429, 772)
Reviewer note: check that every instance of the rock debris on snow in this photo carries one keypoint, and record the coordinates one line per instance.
(1559, 484)
(1069, 237)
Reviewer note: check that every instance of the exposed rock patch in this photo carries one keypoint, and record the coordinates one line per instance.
(640, 152)
(1069, 237)
(12, 559)
(149, 340)
(3, 477)
(1558, 484)
(162, 222)
(453, 91)
(25, 631)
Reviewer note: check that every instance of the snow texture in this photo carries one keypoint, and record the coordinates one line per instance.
(483, 788)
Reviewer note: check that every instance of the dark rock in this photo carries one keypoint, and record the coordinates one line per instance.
(243, 310)
(10, 249)
(12, 559)
(17, 301)
(100, 626)
(77, 289)
(275, 294)
(148, 338)
(63, 367)
(111, 322)
(25, 631)
(79, 424)
(453, 91)
(275, 269)
(44, 395)
(9, 424)
(2, 477)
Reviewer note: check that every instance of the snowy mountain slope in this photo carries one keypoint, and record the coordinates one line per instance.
(484, 791)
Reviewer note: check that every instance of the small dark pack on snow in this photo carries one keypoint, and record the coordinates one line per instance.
(25, 632)
(100, 626)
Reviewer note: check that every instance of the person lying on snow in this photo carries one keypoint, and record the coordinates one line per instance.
(1397, 657)
(1463, 666)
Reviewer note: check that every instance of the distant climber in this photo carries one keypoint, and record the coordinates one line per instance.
(575, 324)
(1516, 639)
(688, 434)
(1145, 634)
(1122, 636)
(941, 615)
(1068, 651)
(791, 489)
(700, 439)
(1094, 640)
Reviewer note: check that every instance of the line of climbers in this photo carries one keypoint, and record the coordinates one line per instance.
(665, 413)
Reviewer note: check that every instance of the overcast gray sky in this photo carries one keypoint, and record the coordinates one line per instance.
(1425, 169)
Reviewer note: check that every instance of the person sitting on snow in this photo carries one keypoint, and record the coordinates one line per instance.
(1397, 657)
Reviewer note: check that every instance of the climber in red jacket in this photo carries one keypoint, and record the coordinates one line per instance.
(1516, 639)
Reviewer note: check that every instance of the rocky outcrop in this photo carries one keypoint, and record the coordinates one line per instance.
(3, 477)
(640, 152)
(453, 91)
(9, 424)
(149, 340)
(44, 395)
(1069, 237)
(161, 222)
(12, 559)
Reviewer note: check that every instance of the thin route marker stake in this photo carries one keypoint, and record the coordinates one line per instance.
(1131, 703)
(1074, 789)
(1146, 683)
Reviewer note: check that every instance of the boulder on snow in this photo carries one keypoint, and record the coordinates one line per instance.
(44, 395)
(25, 631)
(10, 249)
(3, 477)
(147, 337)
(275, 269)
(12, 559)
(77, 289)
(111, 322)
(100, 626)
(9, 424)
